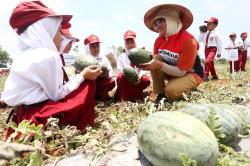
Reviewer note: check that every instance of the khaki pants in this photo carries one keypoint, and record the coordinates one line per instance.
(172, 87)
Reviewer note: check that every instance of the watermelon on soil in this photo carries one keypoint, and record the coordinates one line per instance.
(164, 136)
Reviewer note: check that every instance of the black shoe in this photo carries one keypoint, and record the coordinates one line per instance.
(159, 98)
(214, 78)
(205, 79)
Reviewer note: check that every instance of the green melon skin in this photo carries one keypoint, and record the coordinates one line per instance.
(164, 136)
(130, 74)
(139, 56)
(83, 61)
(104, 69)
(232, 120)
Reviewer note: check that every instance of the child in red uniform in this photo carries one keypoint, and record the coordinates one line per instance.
(175, 52)
(127, 91)
(105, 82)
(243, 51)
(35, 85)
(213, 46)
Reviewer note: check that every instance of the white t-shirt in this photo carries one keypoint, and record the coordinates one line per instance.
(36, 75)
(214, 40)
(245, 44)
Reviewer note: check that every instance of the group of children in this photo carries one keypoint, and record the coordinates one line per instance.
(241, 47)
(38, 87)
(213, 46)
(126, 91)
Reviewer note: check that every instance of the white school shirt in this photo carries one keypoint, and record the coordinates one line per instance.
(213, 41)
(36, 75)
(235, 44)
(231, 44)
(245, 44)
(104, 60)
(123, 61)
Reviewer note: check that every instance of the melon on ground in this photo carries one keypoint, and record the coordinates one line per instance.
(164, 136)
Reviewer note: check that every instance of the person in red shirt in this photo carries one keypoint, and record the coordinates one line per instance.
(175, 52)
(126, 91)
(41, 91)
(105, 82)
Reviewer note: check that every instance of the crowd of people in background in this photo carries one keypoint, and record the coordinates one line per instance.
(236, 49)
(44, 89)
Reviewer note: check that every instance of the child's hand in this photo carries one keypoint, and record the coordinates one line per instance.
(91, 72)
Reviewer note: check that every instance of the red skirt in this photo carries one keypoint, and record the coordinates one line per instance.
(75, 109)
(127, 91)
(103, 86)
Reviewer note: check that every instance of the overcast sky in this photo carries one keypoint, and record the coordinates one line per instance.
(109, 19)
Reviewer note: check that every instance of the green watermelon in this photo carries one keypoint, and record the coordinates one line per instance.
(83, 61)
(139, 56)
(203, 28)
(165, 136)
(233, 121)
(130, 74)
(105, 69)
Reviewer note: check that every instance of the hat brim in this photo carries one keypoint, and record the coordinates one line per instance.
(72, 37)
(65, 21)
(209, 21)
(185, 15)
(94, 42)
(129, 37)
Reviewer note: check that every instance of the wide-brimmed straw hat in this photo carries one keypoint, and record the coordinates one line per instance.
(184, 13)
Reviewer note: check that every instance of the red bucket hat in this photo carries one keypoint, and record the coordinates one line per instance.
(66, 32)
(184, 13)
(129, 35)
(212, 20)
(92, 39)
(244, 34)
(28, 12)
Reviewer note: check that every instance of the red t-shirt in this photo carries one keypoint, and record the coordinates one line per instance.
(180, 50)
